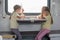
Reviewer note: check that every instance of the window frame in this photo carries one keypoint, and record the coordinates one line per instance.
(6, 7)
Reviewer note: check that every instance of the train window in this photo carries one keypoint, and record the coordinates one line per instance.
(29, 6)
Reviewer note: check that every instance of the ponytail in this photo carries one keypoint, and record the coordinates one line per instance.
(51, 19)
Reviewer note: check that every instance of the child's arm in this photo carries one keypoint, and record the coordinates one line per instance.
(39, 16)
(21, 16)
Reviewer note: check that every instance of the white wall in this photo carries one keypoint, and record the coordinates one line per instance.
(55, 10)
(4, 22)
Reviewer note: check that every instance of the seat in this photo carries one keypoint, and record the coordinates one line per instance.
(46, 37)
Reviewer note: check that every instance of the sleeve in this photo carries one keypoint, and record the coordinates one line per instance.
(13, 16)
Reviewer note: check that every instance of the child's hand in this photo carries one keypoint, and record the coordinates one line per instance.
(39, 17)
(22, 16)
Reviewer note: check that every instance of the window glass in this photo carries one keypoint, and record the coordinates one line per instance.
(29, 6)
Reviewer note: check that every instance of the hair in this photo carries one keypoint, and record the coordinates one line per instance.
(16, 7)
(48, 10)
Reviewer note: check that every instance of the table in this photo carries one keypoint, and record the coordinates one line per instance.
(29, 24)
(30, 21)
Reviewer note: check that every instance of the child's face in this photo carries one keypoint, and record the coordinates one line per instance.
(20, 10)
(45, 13)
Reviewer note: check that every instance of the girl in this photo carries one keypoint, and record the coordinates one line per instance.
(46, 25)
